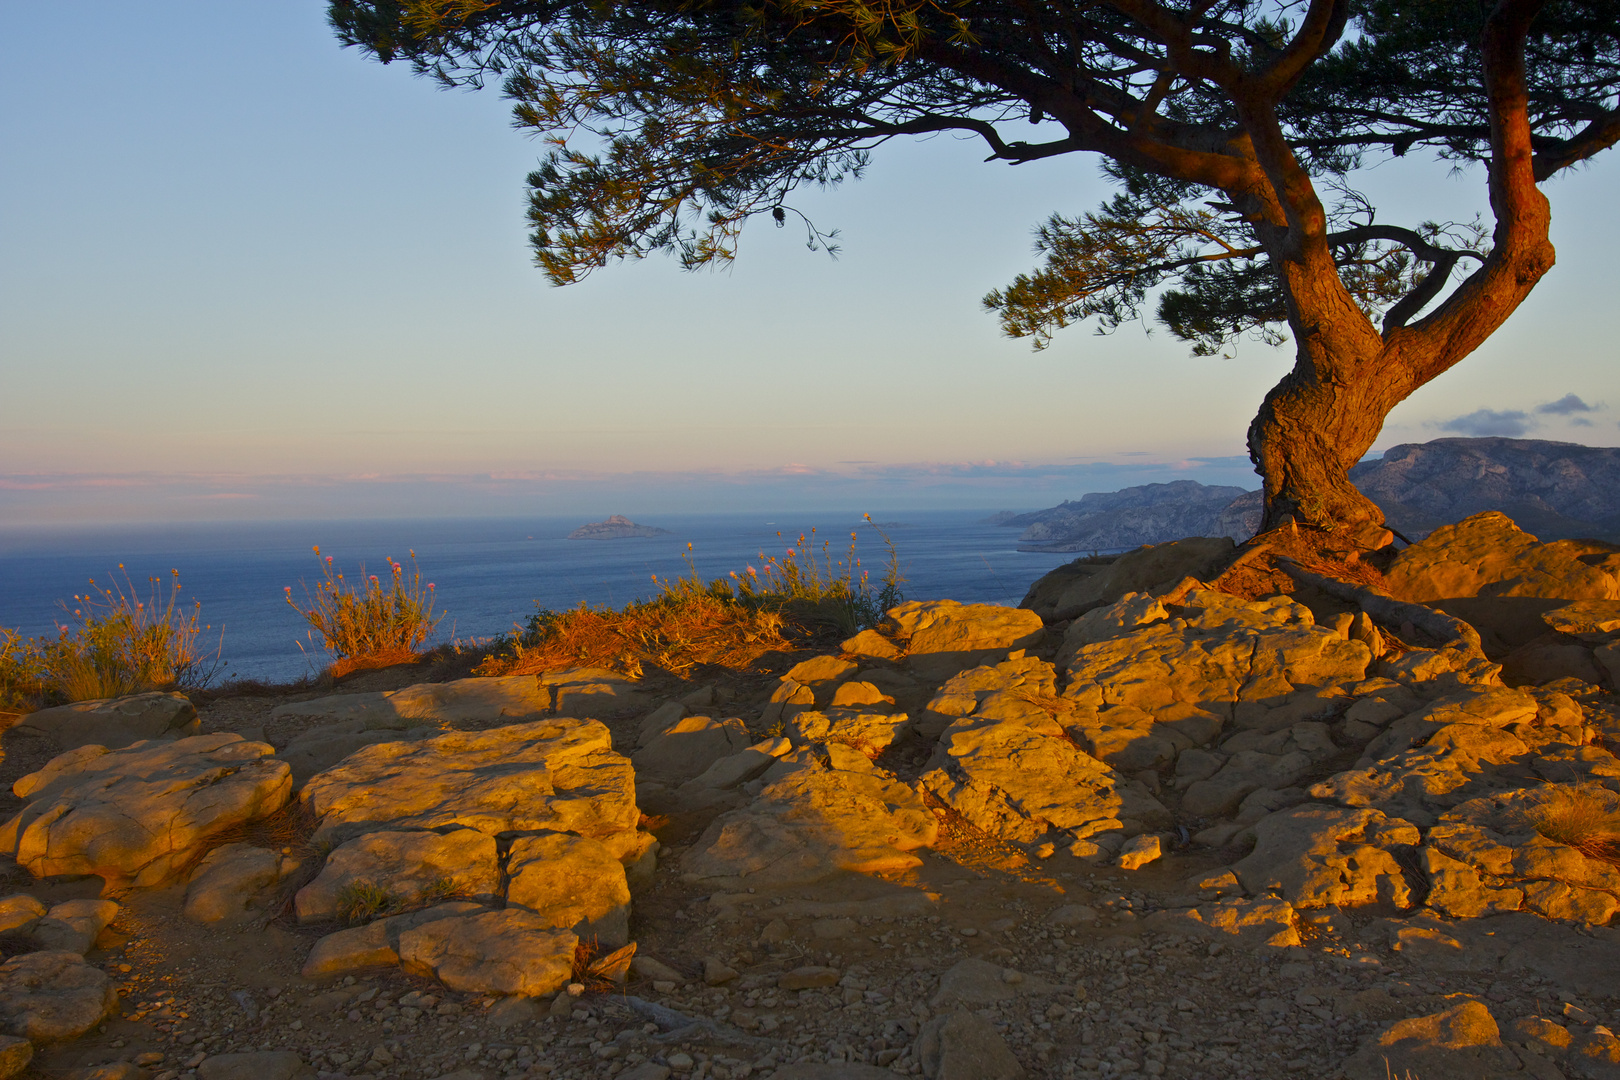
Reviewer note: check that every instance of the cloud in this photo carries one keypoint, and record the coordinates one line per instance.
(1567, 404)
(1490, 422)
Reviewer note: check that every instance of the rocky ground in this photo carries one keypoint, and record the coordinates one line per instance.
(905, 857)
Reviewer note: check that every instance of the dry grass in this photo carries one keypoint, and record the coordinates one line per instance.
(111, 642)
(598, 973)
(727, 622)
(372, 624)
(1585, 817)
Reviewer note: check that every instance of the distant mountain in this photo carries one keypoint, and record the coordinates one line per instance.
(1556, 490)
(1148, 514)
(616, 527)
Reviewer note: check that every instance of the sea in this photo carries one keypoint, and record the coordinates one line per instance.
(489, 574)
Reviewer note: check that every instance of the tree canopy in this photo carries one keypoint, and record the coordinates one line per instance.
(1236, 132)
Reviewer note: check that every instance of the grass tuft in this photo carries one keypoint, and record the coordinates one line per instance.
(729, 622)
(110, 643)
(1585, 817)
(371, 624)
(362, 901)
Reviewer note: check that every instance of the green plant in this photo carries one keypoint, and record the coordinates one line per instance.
(370, 624)
(362, 901)
(112, 643)
(835, 591)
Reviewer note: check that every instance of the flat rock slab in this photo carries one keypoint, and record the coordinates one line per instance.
(688, 746)
(114, 722)
(53, 996)
(944, 636)
(1323, 856)
(318, 750)
(505, 952)
(232, 878)
(965, 1046)
(1019, 779)
(263, 1065)
(459, 701)
(813, 821)
(404, 867)
(871, 732)
(572, 883)
(134, 816)
(592, 692)
(558, 775)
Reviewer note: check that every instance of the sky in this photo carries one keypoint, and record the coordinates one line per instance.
(245, 273)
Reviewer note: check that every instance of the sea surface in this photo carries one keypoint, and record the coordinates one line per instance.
(489, 574)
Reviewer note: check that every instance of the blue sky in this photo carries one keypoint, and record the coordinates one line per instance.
(245, 273)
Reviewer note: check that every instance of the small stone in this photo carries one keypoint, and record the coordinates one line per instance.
(717, 972)
(1138, 852)
(680, 1061)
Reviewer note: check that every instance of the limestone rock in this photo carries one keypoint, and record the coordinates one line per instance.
(407, 866)
(15, 1054)
(133, 816)
(74, 925)
(1585, 618)
(591, 692)
(114, 722)
(1608, 658)
(823, 675)
(573, 883)
(687, 747)
(1488, 555)
(659, 719)
(1322, 856)
(1461, 1043)
(512, 951)
(858, 694)
(257, 1065)
(811, 821)
(18, 912)
(1078, 587)
(432, 704)
(1254, 922)
(944, 637)
(1455, 889)
(319, 749)
(1017, 779)
(965, 1046)
(1010, 690)
(231, 878)
(53, 996)
(743, 766)
(556, 775)
(1256, 761)
(872, 732)
(871, 643)
(838, 1070)
(375, 944)
(1139, 693)
(1139, 851)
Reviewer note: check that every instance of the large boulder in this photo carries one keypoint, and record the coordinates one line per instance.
(73, 925)
(402, 869)
(944, 637)
(558, 775)
(1076, 588)
(135, 816)
(114, 722)
(814, 819)
(53, 996)
(376, 944)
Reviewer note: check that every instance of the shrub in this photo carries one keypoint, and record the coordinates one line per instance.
(1586, 817)
(729, 621)
(372, 624)
(362, 901)
(112, 643)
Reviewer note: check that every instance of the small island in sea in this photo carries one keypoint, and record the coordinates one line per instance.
(616, 527)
